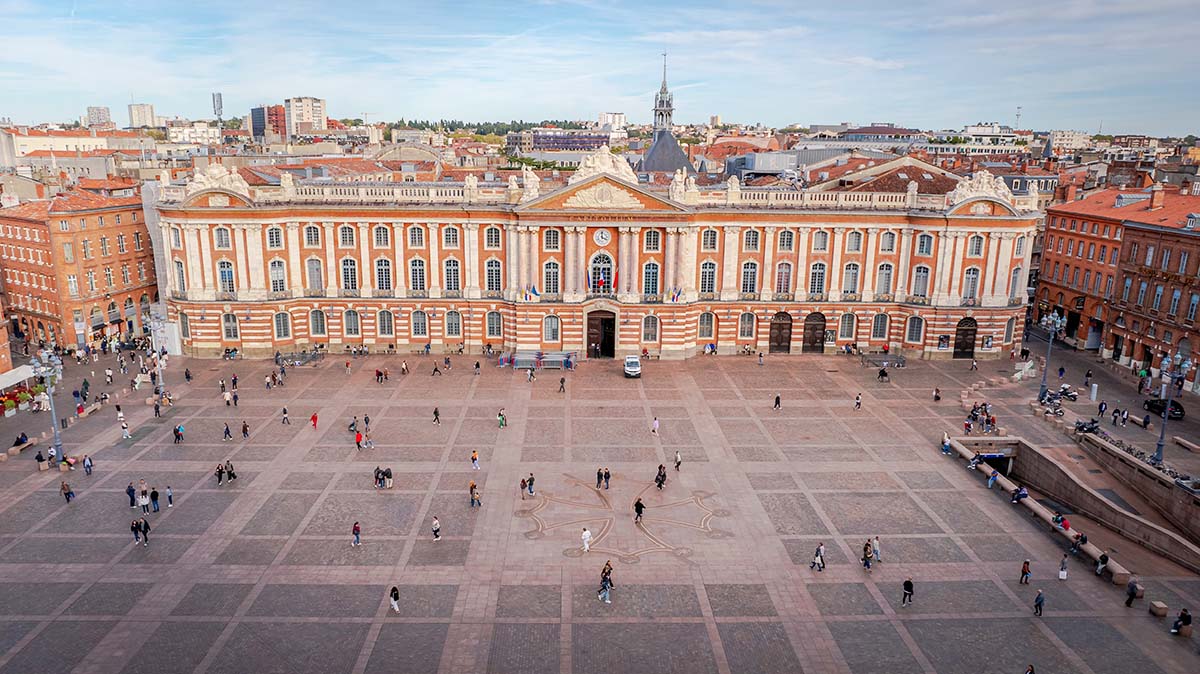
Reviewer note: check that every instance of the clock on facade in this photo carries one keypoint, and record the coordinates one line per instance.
(602, 237)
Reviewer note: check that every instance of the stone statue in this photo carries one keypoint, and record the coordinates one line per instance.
(604, 162)
(982, 184)
(533, 184)
(678, 186)
(218, 177)
(288, 183)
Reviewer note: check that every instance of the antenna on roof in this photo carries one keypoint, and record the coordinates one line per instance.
(1017, 123)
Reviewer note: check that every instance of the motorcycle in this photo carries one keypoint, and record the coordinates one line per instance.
(1053, 411)
(1067, 392)
(1087, 426)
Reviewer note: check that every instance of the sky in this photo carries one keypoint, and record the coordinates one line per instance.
(1121, 66)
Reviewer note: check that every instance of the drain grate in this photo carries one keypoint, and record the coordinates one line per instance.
(1095, 471)
(1078, 457)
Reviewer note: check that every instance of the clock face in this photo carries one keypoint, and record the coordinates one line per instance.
(602, 237)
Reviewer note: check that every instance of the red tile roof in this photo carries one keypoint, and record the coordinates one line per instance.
(112, 183)
(1173, 213)
(67, 202)
(69, 133)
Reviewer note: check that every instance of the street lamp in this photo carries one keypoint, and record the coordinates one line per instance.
(50, 368)
(1052, 323)
(1174, 371)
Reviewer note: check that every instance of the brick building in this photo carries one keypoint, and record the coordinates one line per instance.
(595, 259)
(76, 266)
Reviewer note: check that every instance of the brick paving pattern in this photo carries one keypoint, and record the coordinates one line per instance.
(260, 574)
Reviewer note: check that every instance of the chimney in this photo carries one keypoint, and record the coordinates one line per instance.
(1069, 192)
(1156, 197)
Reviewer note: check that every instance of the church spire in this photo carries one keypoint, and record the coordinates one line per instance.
(663, 89)
(664, 103)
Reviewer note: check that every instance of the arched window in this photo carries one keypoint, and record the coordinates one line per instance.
(708, 277)
(846, 326)
(787, 240)
(705, 326)
(316, 322)
(225, 276)
(650, 278)
(229, 326)
(383, 237)
(883, 279)
(887, 242)
(221, 239)
(820, 241)
(383, 274)
(551, 240)
(491, 238)
(750, 240)
(1020, 245)
(350, 274)
(350, 325)
(1008, 330)
(600, 274)
(854, 242)
(185, 327)
(416, 237)
(452, 280)
(975, 246)
(783, 277)
(971, 283)
(283, 325)
(274, 238)
(924, 245)
(180, 277)
(453, 324)
(850, 278)
(1014, 285)
(312, 236)
(277, 270)
(420, 324)
(312, 269)
(450, 237)
(879, 326)
(416, 275)
(816, 279)
(915, 330)
(550, 278)
(492, 275)
(708, 240)
(550, 331)
(920, 286)
(346, 236)
(494, 324)
(387, 323)
(749, 277)
(653, 241)
(650, 329)
(746, 326)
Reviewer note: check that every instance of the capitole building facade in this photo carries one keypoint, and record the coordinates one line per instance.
(598, 261)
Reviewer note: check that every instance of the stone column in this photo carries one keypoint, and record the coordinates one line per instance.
(367, 278)
(670, 264)
(296, 280)
(568, 282)
(435, 262)
(687, 263)
(869, 278)
(533, 269)
(729, 287)
(957, 243)
(800, 267)
(512, 261)
(766, 285)
(333, 279)
(471, 260)
(198, 274)
(240, 240)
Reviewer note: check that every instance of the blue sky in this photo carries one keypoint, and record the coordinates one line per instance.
(926, 63)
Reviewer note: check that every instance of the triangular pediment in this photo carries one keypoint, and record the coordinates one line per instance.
(601, 193)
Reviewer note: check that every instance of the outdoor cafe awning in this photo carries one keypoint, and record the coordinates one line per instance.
(15, 376)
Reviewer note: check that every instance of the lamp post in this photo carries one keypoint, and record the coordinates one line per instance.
(50, 368)
(1174, 370)
(1053, 323)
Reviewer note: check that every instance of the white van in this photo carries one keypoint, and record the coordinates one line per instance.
(633, 366)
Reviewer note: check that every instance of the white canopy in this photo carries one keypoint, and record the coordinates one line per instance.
(15, 376)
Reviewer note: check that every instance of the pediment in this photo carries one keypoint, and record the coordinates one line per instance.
(216, 198)
(601, 193)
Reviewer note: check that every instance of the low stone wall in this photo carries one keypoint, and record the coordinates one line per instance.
(1179, 506)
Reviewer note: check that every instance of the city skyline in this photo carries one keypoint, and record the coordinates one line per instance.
(932, 64)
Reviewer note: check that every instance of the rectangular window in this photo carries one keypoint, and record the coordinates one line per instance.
(1173, 307)
(137, 240)
(1141, 296)
(1149, 255)
(104, 246)
(1183, 261)
(64, 226)
(1193, 306)
(73, 285)
(1158, 293)
(91, 281)
(68, 252)
(121, 248)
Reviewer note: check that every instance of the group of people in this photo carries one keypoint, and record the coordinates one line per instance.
(1119, 416)
(981, 413)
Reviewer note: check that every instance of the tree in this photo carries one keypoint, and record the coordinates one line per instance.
(156, 134)
(232, 123)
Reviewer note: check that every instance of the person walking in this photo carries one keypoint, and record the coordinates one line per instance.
(286, 420)
(1131, 590)
(477, 372)
(586, 537)
(875, 550)
(154, 498)
(1062, 371)
(436, 526)
(778, 403)
(170, 497)
(394, 596)
(599, 477)
(1102, 408)
(866, 556)
(1062, 567)
(818, 561)
(1038, 602)
(132, 494)
(144, 501)
(522, 488)
(228, 397)
(476, 502)
(145, 529)
(313, 419)
(228, 434)
(562, 384)
(125, 431)
(437, 417)
(501, 420)
(660, 480)
(475, 459)
(858, 402)
(1026, 573)
(639, 509)
(136, 527)
(88, 465)
(357, 531)
(65, 489)
(358, 440)
(605, 594)
(1124, 418)
(157, 409)
(245, 430)
(229, 470)
(760, 359)
(220, 473)
(607, 477)
(974, 365)
(654, 426)
(678, 460)
(907, 597)
(529, 482)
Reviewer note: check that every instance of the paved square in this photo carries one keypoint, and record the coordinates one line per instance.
(260, 574)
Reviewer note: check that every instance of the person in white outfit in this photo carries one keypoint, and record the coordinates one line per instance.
(586, 536)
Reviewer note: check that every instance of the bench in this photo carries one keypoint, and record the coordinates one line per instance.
(1157, 608)
(1185, 630)
(17, 449)
(1188, 445)
(90, 409)
(1137, 421)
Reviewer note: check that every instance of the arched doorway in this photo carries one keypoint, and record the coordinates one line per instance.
(814, 333)
(601, 333)
(964, 338)
(781, 333)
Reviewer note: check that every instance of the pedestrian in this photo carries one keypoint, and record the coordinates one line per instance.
(599, 477)
(144, 501)
(404, 367)
(436, 371)
(220, 473)
(136, 528)
(858, 402)
(357, 531)
(1062, 567)
(245, 430)
(1103, 407)
(562, 384)
(394, 595)
(1146, 422)
(367, 422)
(678, 460)
(1101, 562)
(760, 359)
(607, 477)
(907, 597)
(313, 419)
(235, 398)
(501, 419)
(605, 594)
(228, 434)
(477, 368)
(586, 537)
(358, 440)
(866, 556)
(1116, 415)
(522, 488)
(661, 478)
(778, 403)
(529, 482)
(1062, 371)
(88, 465)
(437, 529)
(654, 426)
(974, 365)
(1038, 602)
(875, 550)
(353, 427)
(228, 397)
(818, 561)
(1026, 573)
(154, 498)
(145, 527)
(1131, 590)
(229, 470)
(1184, 620)
(476, 502)
(437, 417)
(937, 394)
(1124, 418)
(65, 489)
(132, 494)
(1087, 378)
(347, 367)
(638, 509)
(170, 497)
(286, 420)
(475, 459)
(157, 410)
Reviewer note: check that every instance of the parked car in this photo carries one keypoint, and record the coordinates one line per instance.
(1155, 406)
(633, 366)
